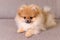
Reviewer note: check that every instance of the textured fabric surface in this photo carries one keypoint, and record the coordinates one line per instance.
(8, 32)
(8, 8)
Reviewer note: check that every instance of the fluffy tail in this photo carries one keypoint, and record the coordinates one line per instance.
(46, 9)
(51, 22)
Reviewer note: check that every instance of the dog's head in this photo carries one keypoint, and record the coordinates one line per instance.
(29, 13)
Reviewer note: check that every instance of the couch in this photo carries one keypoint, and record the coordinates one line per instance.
(8, 10)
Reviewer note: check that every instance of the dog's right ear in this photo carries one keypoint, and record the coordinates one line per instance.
(21, 9)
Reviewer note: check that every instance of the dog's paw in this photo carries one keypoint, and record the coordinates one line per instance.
(28, 34)
(43, 29)
(20, 30)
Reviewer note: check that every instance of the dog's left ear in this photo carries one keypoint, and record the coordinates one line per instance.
(35, 8)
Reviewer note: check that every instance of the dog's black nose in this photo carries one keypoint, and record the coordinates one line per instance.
(28, 21)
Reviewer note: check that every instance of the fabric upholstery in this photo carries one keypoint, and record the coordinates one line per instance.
(8, 32)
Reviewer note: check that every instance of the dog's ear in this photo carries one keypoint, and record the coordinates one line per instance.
(36, 8)
(21, 9)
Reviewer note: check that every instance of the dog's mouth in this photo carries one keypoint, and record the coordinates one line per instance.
(28, 21)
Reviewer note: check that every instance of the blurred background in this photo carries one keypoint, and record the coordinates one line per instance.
(8, 8)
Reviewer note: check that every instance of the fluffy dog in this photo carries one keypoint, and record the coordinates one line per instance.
(31, 19)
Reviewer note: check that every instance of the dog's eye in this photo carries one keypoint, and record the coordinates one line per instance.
(24, 17)
(31, 17)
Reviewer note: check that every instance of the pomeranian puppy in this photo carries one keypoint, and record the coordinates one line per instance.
(31, 19)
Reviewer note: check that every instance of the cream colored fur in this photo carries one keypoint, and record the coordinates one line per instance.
(38, 23)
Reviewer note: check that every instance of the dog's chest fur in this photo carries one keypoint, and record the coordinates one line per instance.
(36, 24)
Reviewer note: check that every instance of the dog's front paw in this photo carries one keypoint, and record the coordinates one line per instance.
(20, 30)
(28, 33)
(43, 29)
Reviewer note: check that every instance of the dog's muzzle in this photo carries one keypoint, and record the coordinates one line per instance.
(28, 21)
